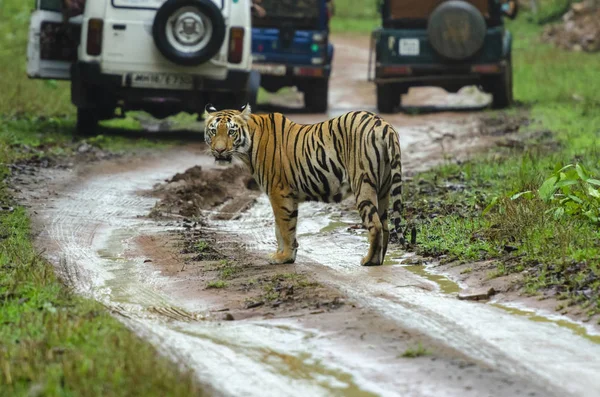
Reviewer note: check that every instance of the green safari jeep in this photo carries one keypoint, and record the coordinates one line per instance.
(449, 44)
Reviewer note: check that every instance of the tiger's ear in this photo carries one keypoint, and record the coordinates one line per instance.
(246, 111)
(209, 108)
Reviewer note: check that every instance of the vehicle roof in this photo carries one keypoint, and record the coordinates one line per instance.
(421, 9)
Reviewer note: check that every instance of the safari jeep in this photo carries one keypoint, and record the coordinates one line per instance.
(163, 57)
(290, 47)
(449, 44)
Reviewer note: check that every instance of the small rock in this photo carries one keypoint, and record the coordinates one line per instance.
(147, 260)
(84, 147)
(252, 305)
(477, 294)
(228, 317)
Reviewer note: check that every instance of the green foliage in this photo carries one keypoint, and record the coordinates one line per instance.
(570, 191)
(20, 95)
(217, 284)
(353, 16)
(550, 10)
(416, 351)
(53, 343)
(201, 246)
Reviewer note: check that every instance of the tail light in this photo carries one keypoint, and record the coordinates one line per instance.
(395, 70)
(307, 71)
(236, 45)
(94, 36)
(486, 69)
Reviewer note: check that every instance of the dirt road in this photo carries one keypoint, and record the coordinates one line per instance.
(94, 226)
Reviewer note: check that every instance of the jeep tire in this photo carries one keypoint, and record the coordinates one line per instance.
(501, 88)
(388, 99)
(316, 95)
(87, 121)
(192, 51)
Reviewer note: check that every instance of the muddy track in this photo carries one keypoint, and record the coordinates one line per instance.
(94, 226)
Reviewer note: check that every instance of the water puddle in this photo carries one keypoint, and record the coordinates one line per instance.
(574, 327)
(450, 287)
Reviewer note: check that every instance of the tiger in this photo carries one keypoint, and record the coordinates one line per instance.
(357, 152)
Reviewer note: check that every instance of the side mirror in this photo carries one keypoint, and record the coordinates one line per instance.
(510, 8)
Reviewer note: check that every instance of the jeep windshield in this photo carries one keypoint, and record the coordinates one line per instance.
(299, 14)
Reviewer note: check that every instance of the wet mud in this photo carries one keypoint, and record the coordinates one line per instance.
(175, 247)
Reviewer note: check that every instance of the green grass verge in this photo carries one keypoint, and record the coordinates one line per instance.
(355, 16)
(559, 254)
(53, 343)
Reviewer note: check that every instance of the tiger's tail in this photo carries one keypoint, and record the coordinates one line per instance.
(396, 233)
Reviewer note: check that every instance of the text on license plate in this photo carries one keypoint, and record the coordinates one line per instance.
(162, 80)
(263, 68)
(409, 47)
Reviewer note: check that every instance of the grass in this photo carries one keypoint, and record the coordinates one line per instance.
(201, 246)
(559, 254)
(54, 343)
(217, 284)
(19, 94)
(417, 351)
(276, 287)
(353, 16)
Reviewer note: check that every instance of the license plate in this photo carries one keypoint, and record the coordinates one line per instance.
(263, 68)
(162, 80)
(409, 47)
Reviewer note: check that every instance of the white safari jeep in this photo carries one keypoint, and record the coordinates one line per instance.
(160, 56)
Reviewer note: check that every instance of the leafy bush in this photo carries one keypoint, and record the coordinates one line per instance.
(570, 191)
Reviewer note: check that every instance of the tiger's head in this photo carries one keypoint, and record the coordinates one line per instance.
(226, 132)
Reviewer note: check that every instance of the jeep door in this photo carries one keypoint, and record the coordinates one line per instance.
(291, 33)
(52, 44)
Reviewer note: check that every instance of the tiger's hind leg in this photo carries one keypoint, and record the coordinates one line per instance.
(285, 210)
(382, 207)
(366, 199)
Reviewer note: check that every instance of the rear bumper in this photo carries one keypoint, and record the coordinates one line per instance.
(90, 74)
(434, 74)
(291, 72)
(92, 88)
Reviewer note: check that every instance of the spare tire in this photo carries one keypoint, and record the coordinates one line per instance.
(456, 30)
(188, 32)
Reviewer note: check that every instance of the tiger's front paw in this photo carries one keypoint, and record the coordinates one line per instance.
(280, 258)
(366, 261)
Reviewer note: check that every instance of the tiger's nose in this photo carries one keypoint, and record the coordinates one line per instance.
(220, 150)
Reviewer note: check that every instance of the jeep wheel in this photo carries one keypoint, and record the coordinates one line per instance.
(388, 99)
(501, 89)
(87, 122)
(188, 32)
(316, 95)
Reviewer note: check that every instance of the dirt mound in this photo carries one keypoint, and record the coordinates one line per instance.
(580, 30)
(196, 190)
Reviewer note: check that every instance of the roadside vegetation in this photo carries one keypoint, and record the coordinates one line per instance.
(52, 342)
(355, 16)
(533, 208)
